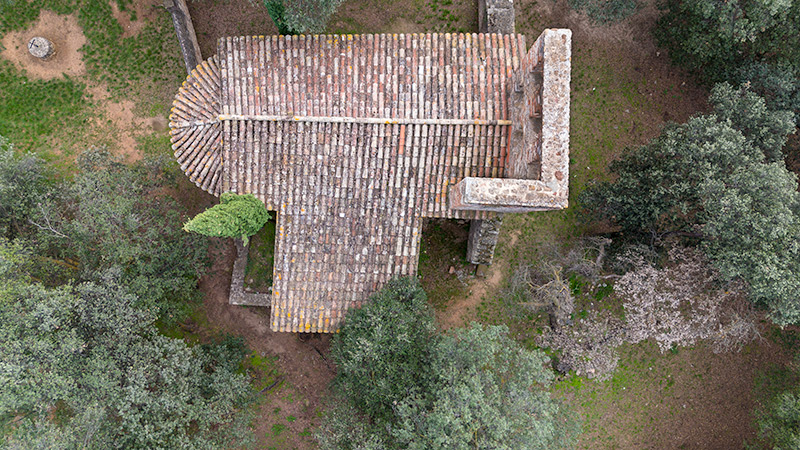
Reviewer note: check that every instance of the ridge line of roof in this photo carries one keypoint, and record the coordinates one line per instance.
(338, 119)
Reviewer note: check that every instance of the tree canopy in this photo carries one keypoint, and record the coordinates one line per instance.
(402, 385)
(84, 366)
(23, 179)
(113, 216)
(714, 38)
(96, 261)
(718, 178)
(301, 16)
(235, 216)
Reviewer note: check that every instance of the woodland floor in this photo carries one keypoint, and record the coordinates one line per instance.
(623, 90)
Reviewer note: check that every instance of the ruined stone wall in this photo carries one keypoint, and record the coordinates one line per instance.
(537, 168)
(539, 104)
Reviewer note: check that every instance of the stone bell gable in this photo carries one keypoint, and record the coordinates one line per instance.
(353, 140)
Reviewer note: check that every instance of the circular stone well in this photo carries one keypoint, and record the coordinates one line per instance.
(41, 47)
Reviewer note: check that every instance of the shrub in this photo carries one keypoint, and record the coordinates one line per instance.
(718, 180)
(112, 216)
(23, 179)
(84, 367)
(301, 16)
(685, 302)
(779, 424)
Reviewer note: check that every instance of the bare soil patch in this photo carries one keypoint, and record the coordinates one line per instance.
(480, 289)
(67, 38)
(213, 19)
(133, 21)
(120, 114)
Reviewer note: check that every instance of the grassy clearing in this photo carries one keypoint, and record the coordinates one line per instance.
(444, 245)
(58, 117)
(33, 112)
(135, 66)
(260, 259)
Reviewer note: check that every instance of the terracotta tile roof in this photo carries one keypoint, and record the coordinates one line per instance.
(352, 140)
(195, 131)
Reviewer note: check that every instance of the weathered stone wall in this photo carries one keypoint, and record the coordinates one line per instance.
(483, 236)
(539, 107)
(505, 195)
(555, 111)
(184, 29)
(539, 144)
(496, 16)
(525, 108)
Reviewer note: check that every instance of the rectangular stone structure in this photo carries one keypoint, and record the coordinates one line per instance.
(538, 159)
(482, 241)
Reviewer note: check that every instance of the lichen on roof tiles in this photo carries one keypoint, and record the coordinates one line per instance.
(353, 140)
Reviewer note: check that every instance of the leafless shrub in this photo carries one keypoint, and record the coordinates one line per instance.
(630, 257)
(587, 258)
(588, 346)
(542, 289)
(683, 303)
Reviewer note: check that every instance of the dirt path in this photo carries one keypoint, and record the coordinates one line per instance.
(291, 409)
(461, 311)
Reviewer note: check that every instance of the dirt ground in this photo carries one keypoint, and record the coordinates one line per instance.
(301, 359)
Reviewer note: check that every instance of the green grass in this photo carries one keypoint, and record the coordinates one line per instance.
(33, 111)
(348, 25)
(605, 11)
(263, 370)
(642, 369)
(51, 117)
(261, 258)
(443, 245)
(129, 65)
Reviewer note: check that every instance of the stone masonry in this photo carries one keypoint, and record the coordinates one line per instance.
(482, 241)
(354, 140)
(238, 295)
(494, 16)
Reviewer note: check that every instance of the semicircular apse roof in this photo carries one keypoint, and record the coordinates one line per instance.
(195, 129)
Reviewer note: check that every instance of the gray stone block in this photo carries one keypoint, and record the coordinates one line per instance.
(41, 48)
(483, 235)
(496, 16)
